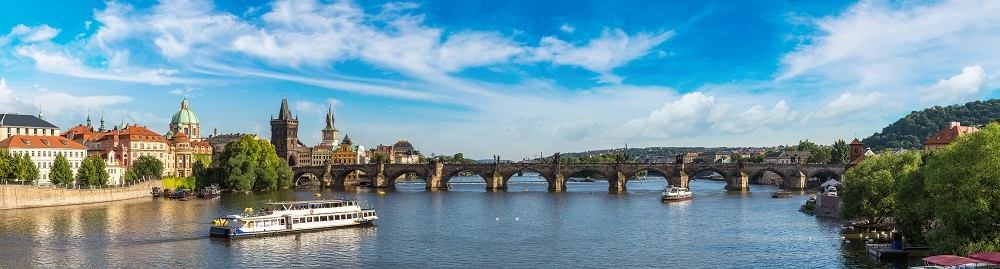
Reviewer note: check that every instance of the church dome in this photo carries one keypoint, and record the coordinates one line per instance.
(184, 115)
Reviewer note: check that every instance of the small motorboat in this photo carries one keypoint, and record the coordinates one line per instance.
(209, 192)
(781, 194)
(157, 192)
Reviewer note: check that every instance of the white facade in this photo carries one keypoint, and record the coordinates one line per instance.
(116, 172)
(43, 151)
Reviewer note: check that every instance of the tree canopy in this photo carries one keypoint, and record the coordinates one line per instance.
(61, 173)
(963, 183)
(92, 171)
(148, 167)
(870, 187)
(948, 198)
(250, 164)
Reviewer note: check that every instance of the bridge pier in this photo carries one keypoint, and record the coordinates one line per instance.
(434, 181)
(738, 182)
(617, 182)
(327, 181)
(495, 182)
(558, 183)
(679, 179)
(796, 181)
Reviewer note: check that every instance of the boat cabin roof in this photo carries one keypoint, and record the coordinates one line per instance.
(951, 260)
(313, 202)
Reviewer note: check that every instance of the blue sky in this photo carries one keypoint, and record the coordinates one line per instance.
(514, 78)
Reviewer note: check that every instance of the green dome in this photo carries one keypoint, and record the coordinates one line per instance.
(184, 115)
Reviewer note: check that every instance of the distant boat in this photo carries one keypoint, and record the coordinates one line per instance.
(157, 192)
(209, 192)
(672, 193)
(781, 194)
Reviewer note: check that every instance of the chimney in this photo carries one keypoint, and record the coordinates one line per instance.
(954, 124)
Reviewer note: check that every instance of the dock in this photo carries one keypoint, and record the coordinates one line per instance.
(886, 251)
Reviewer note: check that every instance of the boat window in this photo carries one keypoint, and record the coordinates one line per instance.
(302, 220)
(322, 218)
(336, 217)
(295, 221)
(355, 215)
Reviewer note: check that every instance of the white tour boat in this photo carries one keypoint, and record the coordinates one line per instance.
(675, 194)
(281, 217)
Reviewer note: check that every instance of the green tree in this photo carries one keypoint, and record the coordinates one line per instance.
(284, 175)
(817, 154)
(7, 164)
(92, 171)
(61, 173)
(241, 159)
(912, 212)
(379, 158)
(148, 167)
(963, 183)
(131, 176)
(839, 152)
(239, 170)
(870, 188)
(26, 170)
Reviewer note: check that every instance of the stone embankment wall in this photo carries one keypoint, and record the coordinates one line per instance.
(18, 196)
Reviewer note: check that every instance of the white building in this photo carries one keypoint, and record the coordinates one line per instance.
(116, 171)
(43, 151)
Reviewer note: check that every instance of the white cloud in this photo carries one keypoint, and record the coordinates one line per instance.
(699, 114)
(29, 34)
(63, 63)
(892, 45)
(314, 109)
(567, 28)
(53, 103)
(969, 82)
(847, 104)
(613, 49)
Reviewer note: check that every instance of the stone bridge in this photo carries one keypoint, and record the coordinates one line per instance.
(496, 175)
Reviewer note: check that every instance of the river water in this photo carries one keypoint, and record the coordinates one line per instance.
(465, 227)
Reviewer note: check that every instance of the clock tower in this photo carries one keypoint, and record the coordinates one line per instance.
(330, 133)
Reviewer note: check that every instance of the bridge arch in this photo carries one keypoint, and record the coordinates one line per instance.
(541, 173)
(570, 173)
(761, 172)
(821, 175)
(446, 177)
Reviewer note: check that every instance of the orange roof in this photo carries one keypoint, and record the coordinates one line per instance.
(131, 133)
(40, 142)
(856, 142)
(81, 131)
(948, 135)
(201, 144)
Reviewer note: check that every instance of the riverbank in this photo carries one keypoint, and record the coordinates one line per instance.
(19, 196)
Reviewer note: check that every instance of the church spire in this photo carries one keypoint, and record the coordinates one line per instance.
(40, 116)
(329, 120)
(284, 113)
(102, 129)
(88, 120)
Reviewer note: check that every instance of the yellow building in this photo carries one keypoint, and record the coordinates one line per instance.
(947, 135)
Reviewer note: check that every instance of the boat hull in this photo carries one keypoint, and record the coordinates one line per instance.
(229, 232)
(672, 200)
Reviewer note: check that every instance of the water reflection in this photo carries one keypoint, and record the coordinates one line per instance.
(466, 226)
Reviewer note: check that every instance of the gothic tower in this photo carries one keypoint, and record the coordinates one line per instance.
(330, 133)
(285, 134)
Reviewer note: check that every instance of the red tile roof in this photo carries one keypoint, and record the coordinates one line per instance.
(40, 142)
(948, 135)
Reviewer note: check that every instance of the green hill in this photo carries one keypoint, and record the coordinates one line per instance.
(911, 131)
